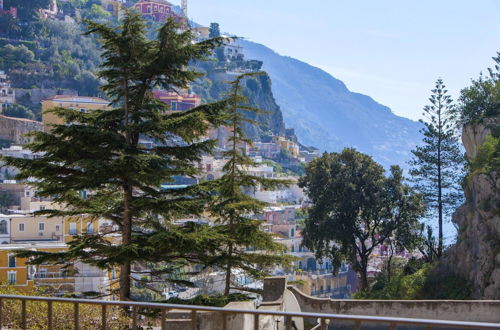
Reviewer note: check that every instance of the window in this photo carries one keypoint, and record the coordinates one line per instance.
(155, 8)
(21, 227)
(43, 272)
(90, 228)
(58, 227)
(12, 260)
(42, 207)
(12, 278)
(82, 110)
(27, 193)
(3, 227)
(72, 228)
(41, 226)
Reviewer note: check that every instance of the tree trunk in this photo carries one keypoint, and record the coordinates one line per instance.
(389, 262)
(126, 239)
(126, 218)
(227, 287)
(364, 274)
(440, 205)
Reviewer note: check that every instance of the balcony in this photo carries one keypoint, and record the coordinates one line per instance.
(42, 275)
(94, 314)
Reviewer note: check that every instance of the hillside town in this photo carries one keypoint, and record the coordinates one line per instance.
(22, 228)
(159, 173)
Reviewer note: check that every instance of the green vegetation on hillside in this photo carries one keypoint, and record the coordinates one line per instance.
(415, 280)
(481, 99)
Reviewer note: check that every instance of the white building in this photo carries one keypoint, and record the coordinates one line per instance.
(17, 152)
(7, 93)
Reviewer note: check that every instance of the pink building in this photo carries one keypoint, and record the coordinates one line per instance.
(158, 10)
(12, 11)
(178, 102)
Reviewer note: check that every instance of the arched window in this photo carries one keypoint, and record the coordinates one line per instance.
(3, 227)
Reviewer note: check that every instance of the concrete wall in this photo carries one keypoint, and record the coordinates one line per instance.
(13, 129)
(456, 310)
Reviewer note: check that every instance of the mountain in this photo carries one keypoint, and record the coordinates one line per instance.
(326, 115)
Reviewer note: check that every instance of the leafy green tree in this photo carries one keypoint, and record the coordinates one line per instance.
(16, 56)
(355, 208)
(101, 153)
(9, 25)
(427, 244)
(482, 98)
(18, 111)
(438, 164)
(233, 208)
(96, 12)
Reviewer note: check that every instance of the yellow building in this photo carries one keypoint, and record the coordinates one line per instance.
(78, 103)
(28, 228)
(79, 279)
(78, 225)
(15, 271)
(288, 145)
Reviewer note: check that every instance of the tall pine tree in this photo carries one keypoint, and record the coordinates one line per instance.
(233, 209)
(100, 152)
(438, 164)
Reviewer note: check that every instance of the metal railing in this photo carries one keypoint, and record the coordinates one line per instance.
(52, 275)
(134, 307)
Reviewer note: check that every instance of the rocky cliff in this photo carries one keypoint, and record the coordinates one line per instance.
(476, 255)
(259, 93)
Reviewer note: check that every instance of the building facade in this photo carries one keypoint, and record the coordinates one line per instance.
(78, 103)
(7, 93)
(157, 10)
(15, 129)
(178, 102)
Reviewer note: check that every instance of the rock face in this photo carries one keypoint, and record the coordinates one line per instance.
(476, 255)
(260, 95)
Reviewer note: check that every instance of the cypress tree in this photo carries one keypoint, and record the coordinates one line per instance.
(438, 163)
(100, 152)
(233, 209)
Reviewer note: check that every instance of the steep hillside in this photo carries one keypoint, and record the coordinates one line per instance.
(327, 115)
(476, 255)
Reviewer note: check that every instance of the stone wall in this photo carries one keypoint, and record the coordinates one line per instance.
(14, 129)
(455, 310)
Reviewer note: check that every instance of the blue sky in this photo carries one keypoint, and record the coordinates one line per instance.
(391, 50)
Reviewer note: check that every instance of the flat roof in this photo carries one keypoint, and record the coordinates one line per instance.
(78, 99)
